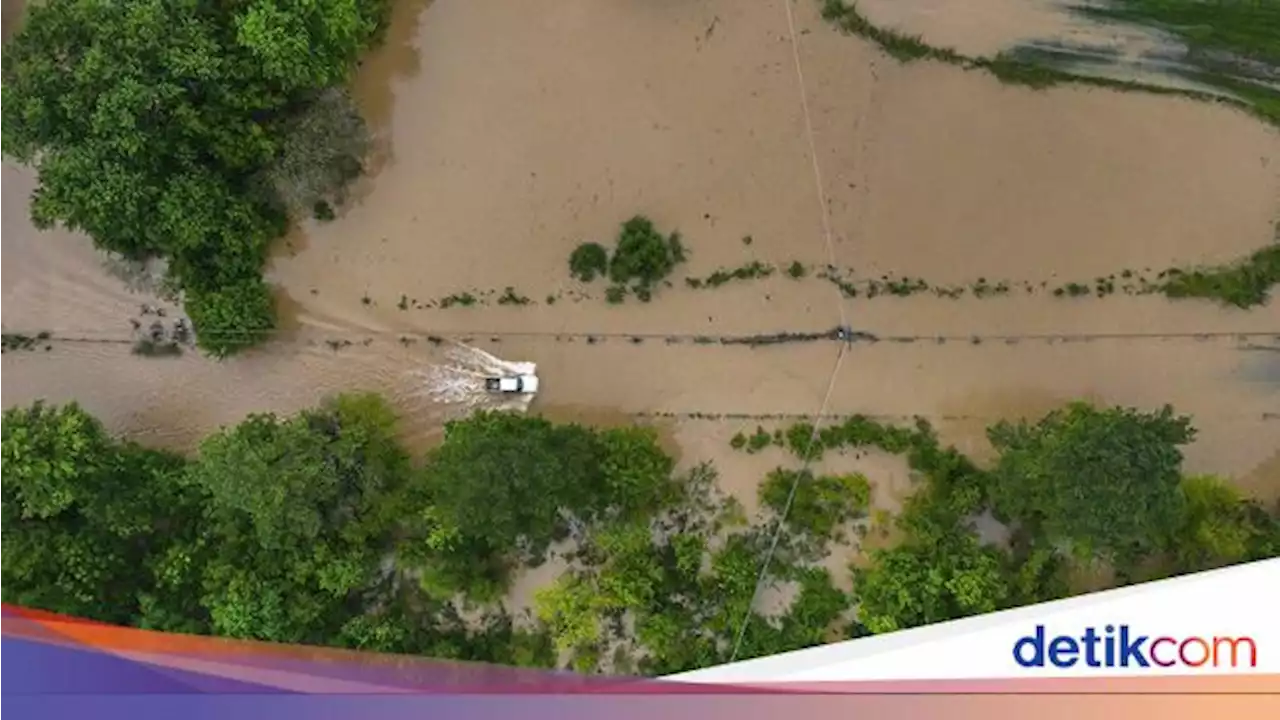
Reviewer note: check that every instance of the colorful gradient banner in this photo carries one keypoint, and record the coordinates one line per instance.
(61, 667)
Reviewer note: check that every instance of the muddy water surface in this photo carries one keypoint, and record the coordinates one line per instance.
(507, 138)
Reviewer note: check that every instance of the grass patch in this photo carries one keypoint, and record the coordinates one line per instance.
(18, 341)
(898, 287)
(1234, 43)
(900, 46)
(511, 297)
(1243, 284)
(1013, 71)
(1247, 29)
(753, 270)
(464, 299)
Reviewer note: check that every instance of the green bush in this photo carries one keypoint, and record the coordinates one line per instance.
(821, 504)
(643, 257)
(232, 317)
(1243, 284)
(588, 260)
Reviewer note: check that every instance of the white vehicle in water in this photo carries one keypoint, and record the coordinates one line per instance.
(512, 384)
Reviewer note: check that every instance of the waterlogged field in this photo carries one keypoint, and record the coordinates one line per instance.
(1224, 49)
(993, 248)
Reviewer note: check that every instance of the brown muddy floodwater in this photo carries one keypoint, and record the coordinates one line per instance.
(506, 138)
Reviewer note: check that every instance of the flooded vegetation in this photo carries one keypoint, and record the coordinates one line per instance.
(744, 236)
(1205, 49)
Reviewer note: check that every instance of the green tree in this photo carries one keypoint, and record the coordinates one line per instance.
(588, 260)
(502, 479)
(305, 44)
(1101, 481)
(635, 473)
(1219, 527)
(151, 123)
(918, 584)
(643, 257)
(502, 487)
(232, 317)
(571, 609)
(820, 504)
(300, 511)
(83, 515)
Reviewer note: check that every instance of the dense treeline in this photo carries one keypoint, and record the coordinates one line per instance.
(1083, 489)
(188, 130)
(320, 528)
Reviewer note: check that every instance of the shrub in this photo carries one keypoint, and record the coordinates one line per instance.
(588, 260)
(232, 317)
(820, 504)
(759, 441)
(1243, 285)
(511, 297)
(643, 256)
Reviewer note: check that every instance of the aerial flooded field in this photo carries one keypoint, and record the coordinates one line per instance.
(762, 134)
(500, 156)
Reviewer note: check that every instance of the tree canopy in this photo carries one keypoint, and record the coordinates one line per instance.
(503, 487)
(83, 514)
(320, 528)
(1103, 481)
(151, 124)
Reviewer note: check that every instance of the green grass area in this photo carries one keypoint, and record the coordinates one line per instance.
(322, 528)
(1242, 284)
(1231, 42)
(753, 270)
(1215, 31)
(1249, 29)
(899, 45)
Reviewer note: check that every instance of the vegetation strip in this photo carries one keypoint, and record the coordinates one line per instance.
(320, 528)
(1244, 284)
(1247, 30)
(759, 340)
